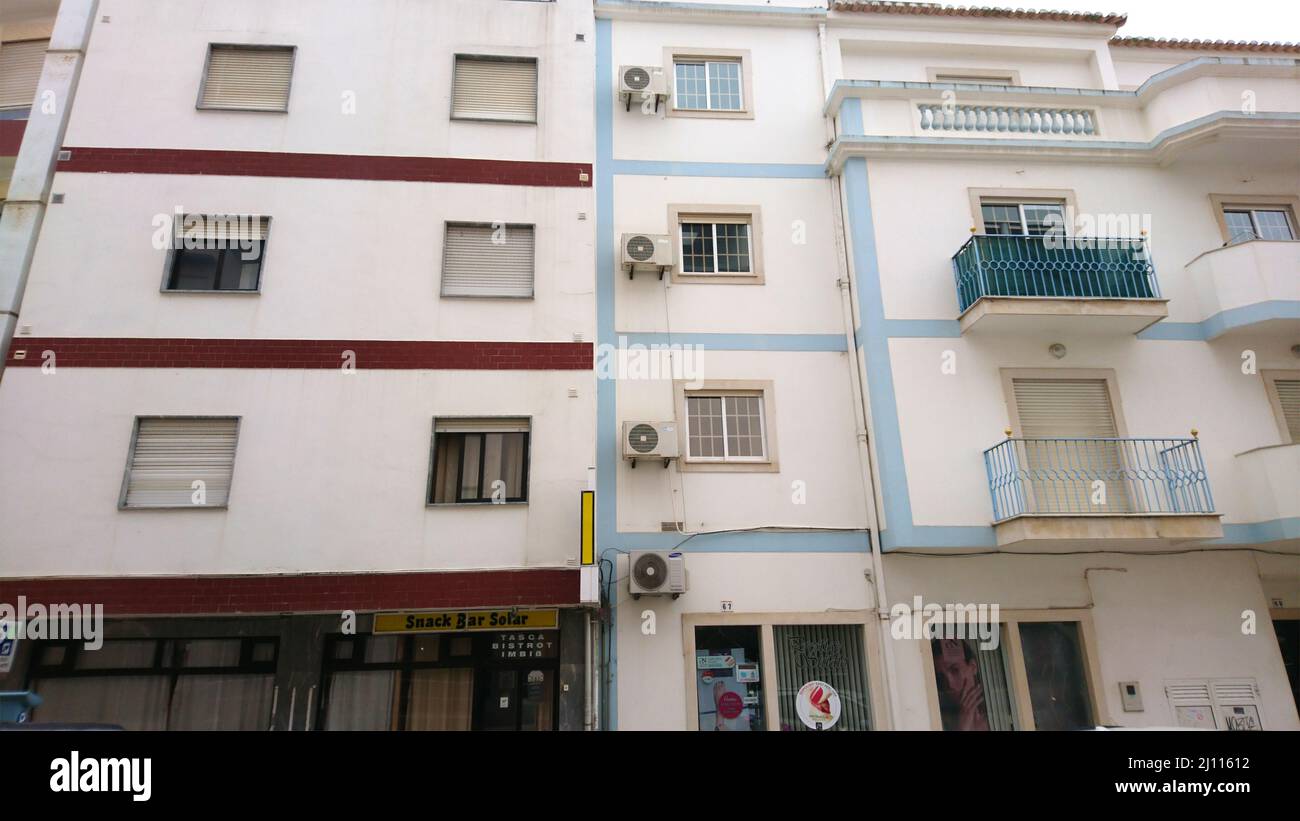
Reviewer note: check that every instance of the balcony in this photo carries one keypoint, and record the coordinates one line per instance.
(1101, 493)
(1268, 479)
(1028, 284)
(1251, 285)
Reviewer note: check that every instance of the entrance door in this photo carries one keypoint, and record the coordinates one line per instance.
(518, 698)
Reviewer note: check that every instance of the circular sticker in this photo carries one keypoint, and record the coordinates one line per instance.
(730, 705)
(818, 705)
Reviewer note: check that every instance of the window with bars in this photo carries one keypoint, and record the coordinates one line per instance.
(217, 253)
(726, 427)
(716, 245)
(1005, 218)
(479, 461)
(708, 85)
(247, 78)
(1275, 223)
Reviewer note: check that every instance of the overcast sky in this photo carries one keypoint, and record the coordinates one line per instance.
(1276, 20)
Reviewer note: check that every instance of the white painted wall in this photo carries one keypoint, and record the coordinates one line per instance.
(330, 474)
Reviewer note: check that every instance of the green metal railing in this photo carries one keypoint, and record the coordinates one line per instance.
(1053, 265)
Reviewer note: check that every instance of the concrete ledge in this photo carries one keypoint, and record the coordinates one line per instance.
(1020, 314)
(1107, 532)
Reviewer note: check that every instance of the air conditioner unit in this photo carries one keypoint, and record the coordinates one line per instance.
(656, 573)
(639, 81)
(646, 251)
(650, 440)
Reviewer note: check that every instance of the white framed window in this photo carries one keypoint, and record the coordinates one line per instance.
(726, 427)
(479, 461)
(247, 78)
(488, 260)
(1263, 222)
(180, 462)
(1022, 218)
(713, 245)
(501, 89)
(708, 85)
(21, 62)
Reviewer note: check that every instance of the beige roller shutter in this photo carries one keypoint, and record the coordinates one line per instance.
(170, 455)
(495, 89)
(248, 78)
(194, 228)
(490, 424)
(1288, 396)
(21, 62)
(1062, 473)
(480, 260)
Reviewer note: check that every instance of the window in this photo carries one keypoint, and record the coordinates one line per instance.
(992, 79)
(158, 684)
(729, 698)
(984, 76)
(715, 247)
(217, 253)
(479, 461)
(1022, 218)
(501, 89)
(180, 462)
(247, 78)
(1283, 388)
(726, 427)
(484, 260)
(21, 62)
(709, 85)
(1258, 223)
(1037, 675)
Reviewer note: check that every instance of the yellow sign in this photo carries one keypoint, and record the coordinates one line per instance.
(588, 522)
(458, 621)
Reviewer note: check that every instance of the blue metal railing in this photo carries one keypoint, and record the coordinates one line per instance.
(1053, 265)
(1097, 476)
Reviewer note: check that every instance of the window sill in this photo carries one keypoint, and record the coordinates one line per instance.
(718, 279)
(710, 114)
(505, 120)
(244, 110)
(688, 466)
(212, 291)
(172, 507)
(488, 296)
(463, 505)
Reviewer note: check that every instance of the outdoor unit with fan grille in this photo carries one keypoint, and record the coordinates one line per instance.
(653, 251)
(640, 82)
(656, 573)
(650, 440)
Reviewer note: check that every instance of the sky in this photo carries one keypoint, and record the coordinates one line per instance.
(1274, 20)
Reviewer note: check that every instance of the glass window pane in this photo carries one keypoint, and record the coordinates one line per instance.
(537, 702)
(384, 649)
(724, 86)
(697, 248)
(1273, 225)
(727, 700)
(1043, 218)
(973, 688)
(446, 461)
(1058, 687)
(469, 487)
(704, 419)
(441, 699)
(222, 702)
(733, 248)
(195, 270)
(1240, 227)
(210, 653)
(503, 459)
(117, 655)
(131, 702)
(745, 426)
(1001, 219)
(692, 91)
(362, 700)
(826, 653)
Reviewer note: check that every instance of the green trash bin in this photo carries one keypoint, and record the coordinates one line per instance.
(16, 707)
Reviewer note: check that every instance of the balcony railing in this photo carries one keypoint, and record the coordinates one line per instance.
(1080, 477)
(1053, 265)
(992, 119)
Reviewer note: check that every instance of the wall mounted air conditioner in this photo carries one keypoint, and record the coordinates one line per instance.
(646, 251)
(640, 83)
(656, 573)
(650, 440)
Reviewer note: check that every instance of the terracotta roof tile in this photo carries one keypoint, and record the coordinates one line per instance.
(1207, 45)
(938, 9)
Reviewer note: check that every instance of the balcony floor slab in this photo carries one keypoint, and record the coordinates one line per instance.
(1066, 533)
(1017, 315)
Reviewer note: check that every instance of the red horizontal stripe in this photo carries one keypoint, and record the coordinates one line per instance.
(325, 166)
(11, 137)
(327, 593)
(370, 354)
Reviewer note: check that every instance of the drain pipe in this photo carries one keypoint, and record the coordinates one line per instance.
(881, 603)
(24, 211)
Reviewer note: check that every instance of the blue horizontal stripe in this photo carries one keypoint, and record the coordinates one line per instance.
(1224, 321)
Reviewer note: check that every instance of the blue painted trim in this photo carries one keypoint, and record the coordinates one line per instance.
(16, 114)
(851, 116)
(1274, 530)
(652, 168)
(697, 8)
(754, 541)
(743, 342)
(1224, 321)
(606, 443)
